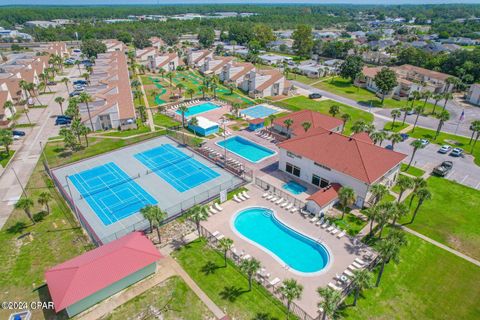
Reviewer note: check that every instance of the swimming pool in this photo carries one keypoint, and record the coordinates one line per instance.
(294, 187)
(246, 149)
(301, 253)
(259, 111)
(199, 108)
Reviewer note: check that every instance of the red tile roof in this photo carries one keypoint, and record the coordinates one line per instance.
(80, 277)
(354, 157)
(362, 136)
(317, 120)
(257, 121)
(326, 195)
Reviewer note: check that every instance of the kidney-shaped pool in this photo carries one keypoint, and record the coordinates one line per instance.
(299, 252)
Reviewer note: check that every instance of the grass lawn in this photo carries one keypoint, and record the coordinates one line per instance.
(127, 133)
(343, 87)
(163, 120)
(24, 125)
(227, 286)
(302, 102)
(414, 171)
(173, 298)
(451, 216)
(428, 283)
(301, 78)
(447, 138)
(55, 238)
(57, 155)
(396, 128)
(4, 157)
(351, 223)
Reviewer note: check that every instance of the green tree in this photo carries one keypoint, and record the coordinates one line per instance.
(436, 97)
(263, 34)
(417, 144)
(334, 110)
(385, 80)
(44, 199)
(378, 137)
(203, 89)
(26, 205)
(194, 122)
(345, 117)
(330, 301)
(372, 214)
(250, 267)
(183, 110)
(190, 92)
(159, 217)
(404, 182)
(291, 290)
(395, 138)
(418, 183)
(92, 47)
(388, 250)
(272, 117)
(362, 279)
(60, 101)
(302, 40)
(86, 98)
(474, 127)
(351, 68)
(140, 41)
(206, 37)
(423, 195)
(225, 244)
(406, 110)
(147, 213)
(306, 125)
(442, 117)
(69, 139)
(378, 192)
(346, 198)
(418, 110)
(399, 211)
(395, 114)
(446, 97)
(6, 139)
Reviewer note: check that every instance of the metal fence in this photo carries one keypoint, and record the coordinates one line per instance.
(271, 188)
(295, 309)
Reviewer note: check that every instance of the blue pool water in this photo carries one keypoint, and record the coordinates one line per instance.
(294, 249)
(199, 108)
(258, 111)
(294, 187)
(180, 170)
(110, 192)
(246, 149)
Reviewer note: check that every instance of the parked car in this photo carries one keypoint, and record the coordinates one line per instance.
(424, 142)
(18, 133)
(79, 87)
(77, 82)
(410, 112)
(445, 149)
(74, 94)
(457, 152)
(443, 169)
(64, 117)
(314, 95)
(389, 147)
(404, 136)
(62, 121)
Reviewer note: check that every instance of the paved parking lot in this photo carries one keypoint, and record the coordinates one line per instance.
(464, 171)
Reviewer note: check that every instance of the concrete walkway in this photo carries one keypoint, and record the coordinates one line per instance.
(147, 106)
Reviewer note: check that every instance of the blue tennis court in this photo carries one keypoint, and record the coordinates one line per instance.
(180, 170)
(259, 111)
(110, 192)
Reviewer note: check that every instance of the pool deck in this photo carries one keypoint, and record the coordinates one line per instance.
(342, 251)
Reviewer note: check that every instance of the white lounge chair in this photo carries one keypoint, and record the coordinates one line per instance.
(216, 233)
(212, 210)
(341, 234)
(279, 201)
(357, 265)
(289, 206)
(246, 257)
(334, 231)
(348, 273)
(274, 199)
(266, 194)
(241, 197)
(236, 199)
(284, 204)
(217, 207)
(351, 267)
(294, 209)
(274, 282)
(334, 287)
(330, 228)
(319, 222)
(244, 193)
(314, 219)
(270, 196)
(220, 237)
(360, 261)
(326, 224)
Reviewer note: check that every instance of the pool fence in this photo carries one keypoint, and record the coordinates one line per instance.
(271, 188)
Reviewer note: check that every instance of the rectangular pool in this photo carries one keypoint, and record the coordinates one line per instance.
(259, 111)
(246, 149)
(199, 108)
(294, 187)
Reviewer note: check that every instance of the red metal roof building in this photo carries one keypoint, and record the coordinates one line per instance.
(83, 281)
(316, 119)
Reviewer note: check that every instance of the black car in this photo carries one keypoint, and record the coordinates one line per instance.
(74, 94)
(64, 117)
(77, 82)
(18, 133)
(443, 169)
(314, 95)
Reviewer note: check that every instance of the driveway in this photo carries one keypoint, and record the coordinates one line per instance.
(464, 171)
(28, 149)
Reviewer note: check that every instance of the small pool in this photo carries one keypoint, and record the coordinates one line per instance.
(301, 253)
(199, 108)
(259, 111)
(294, 187)
(246, 149)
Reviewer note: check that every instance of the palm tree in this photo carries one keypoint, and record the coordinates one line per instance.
(190, 92)
(395, 114)
(418, 110)
(359, 126)
(426, 95)
(436, 97)
(25, 204)
(417, 144)
(415, 96)
(83, 130)
(395, 138)
(474, 127)
(372, 215)
(400, 211)
(44, 198)
(231, 87)
(225, 244)
(147, 213)
(60, 101)
(169, 75)
(389, 249)
(346, 198)
(197, 214)
(418, 183)
(158, 216)
(306, 125)
(406, 110)
(442, 118)
(345, 117)
(404, 183)
(330, 300)
(86, 98)
(272, 118)
(203, 89)
(234, 108)
(288, 123)
(378, 191)
(8, 105)
(378, 137)
(291, 290)
(180, 87)
(446, 96)
(250, 267)
(334, 110)
(422, 194)
(214, 87)
(386, 211)
(362, 279)
(194, 122)
(183, 110)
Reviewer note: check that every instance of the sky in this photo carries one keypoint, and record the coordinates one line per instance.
(132, 2)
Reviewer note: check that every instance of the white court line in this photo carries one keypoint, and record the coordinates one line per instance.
(477, 186)
(464, 178)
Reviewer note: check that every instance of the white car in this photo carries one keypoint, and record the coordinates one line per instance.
(445, 149)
